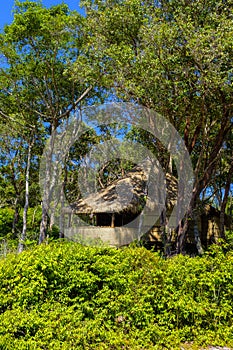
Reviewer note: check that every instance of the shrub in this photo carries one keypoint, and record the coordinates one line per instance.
(67, 296)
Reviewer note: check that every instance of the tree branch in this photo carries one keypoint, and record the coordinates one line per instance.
(6, 117)
(67, 112)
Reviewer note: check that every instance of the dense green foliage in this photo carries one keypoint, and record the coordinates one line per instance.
(67, 296)
(173, 57)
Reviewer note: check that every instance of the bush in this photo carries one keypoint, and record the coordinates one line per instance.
(67, 296)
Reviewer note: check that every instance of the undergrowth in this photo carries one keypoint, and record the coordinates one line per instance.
(67, 296)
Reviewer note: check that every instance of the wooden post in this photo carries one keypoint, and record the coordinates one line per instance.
(113, 220)
(96, 219)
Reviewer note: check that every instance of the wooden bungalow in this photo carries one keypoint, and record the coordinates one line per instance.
(112, 215)
(103, 215)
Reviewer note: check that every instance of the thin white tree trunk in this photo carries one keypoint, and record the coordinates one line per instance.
(43, 224)
(26, 205)
(16, 216)
(47, 187)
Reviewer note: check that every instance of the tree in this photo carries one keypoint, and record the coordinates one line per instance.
(39, 49)
(173, 57)
(170, 56)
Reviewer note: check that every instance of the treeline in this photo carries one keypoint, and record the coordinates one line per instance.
(169, 56)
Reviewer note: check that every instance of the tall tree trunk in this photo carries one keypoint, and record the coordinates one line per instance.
(43, 224)
(62, 216)
(183, 226)
(201, 184)
(167, 232)
(62, 200)
(24, 231)
(47, 185)
(224, 202)
(197, 234)
(16, 217)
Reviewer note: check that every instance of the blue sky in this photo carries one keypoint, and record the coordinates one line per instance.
(7, 5)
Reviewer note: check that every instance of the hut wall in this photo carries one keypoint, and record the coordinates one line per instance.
(117, 236)
(208, 226)
(208, 229)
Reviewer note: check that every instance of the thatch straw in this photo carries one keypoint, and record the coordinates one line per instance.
(124, 195)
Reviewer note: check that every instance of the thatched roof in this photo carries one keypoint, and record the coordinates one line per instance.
(127, 194)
